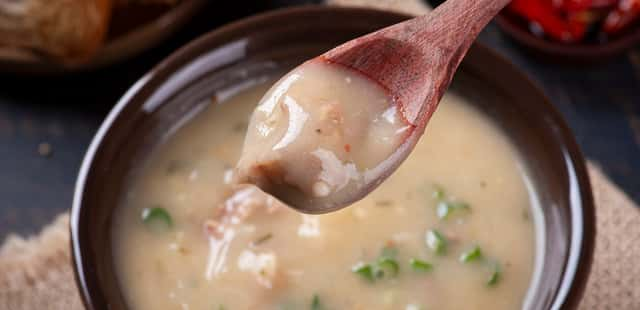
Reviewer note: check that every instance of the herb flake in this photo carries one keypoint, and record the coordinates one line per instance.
(438, 192)
(316, 304)
(364, 270)
(445, 208)
(420, 265)
(470, 255)
(157, 219)
(262, 239)
(388, 266)
(436, 241)
(495, 276)
(384, 203)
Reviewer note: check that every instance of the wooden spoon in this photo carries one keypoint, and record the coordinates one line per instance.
(414, 62)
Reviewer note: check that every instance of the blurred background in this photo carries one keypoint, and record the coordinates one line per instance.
(55, 89)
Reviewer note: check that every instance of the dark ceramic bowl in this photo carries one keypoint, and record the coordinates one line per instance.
(568, 52)
(266, 45)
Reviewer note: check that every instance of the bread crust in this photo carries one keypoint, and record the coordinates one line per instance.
(66, 30)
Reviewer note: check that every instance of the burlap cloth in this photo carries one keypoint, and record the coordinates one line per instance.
(36, 273)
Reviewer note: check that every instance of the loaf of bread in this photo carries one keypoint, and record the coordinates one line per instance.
(67, 30)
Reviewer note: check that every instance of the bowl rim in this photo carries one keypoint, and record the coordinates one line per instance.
(582, 208)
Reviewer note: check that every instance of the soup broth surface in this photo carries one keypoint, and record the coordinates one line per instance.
(450, 229)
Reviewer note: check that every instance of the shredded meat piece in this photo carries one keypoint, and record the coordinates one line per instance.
(243, 202)
(264, 174)
(294, 167)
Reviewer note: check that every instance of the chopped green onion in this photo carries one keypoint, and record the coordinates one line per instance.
(470, 255)
(420, 265)
(385, 265)
(459, 205)
(389, 266)
(157, 219)
(438, 192)
(389, 251)
(262, 239)
(443, 210)
(495, 276)
(436, 242)
(364, 270)
(315, 303)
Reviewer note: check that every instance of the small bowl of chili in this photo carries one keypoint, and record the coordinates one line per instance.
(573, 30)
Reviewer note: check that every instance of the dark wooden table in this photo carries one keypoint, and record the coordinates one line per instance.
(600, 102)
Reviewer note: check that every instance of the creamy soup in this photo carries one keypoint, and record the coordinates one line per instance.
(319, 136)
(450, 229)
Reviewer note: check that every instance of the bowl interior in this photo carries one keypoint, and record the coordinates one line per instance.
(267, 45)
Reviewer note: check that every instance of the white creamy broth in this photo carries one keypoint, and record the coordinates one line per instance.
(318, 135)
(250, 252)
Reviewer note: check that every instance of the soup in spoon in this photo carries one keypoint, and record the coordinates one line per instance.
(319, 135)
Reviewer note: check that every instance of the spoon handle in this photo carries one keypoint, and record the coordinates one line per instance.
(445, 36)
(456, 24)
(415, 60)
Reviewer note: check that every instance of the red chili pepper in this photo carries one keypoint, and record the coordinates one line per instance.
(573, 5)
(603, 3)
(627, 12)
(553, 24)
(581, 5)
